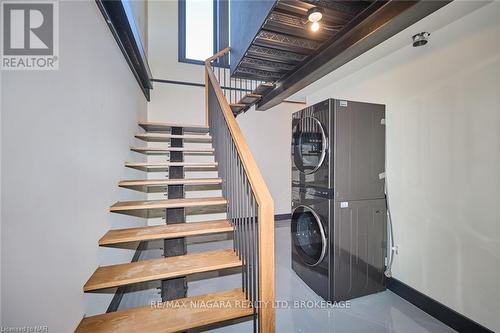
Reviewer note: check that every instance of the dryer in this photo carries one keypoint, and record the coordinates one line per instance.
(338, 248)
(312, 137)
(338, 147)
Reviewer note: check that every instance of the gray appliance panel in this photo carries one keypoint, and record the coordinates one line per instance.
(359, 150)
(323, 176)
(358, 236)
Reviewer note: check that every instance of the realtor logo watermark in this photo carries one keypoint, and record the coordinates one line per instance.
(30, 36)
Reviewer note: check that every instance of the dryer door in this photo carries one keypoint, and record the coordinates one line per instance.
(309, 144)
(308, 235)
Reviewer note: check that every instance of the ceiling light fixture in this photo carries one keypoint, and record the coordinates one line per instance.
(420, 39)
(314, 15)
(315, 26)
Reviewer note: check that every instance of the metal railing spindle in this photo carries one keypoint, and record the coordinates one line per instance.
(249, 204)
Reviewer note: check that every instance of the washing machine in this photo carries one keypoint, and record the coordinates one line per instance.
(338, 148)
(338, 247)
(310, 236)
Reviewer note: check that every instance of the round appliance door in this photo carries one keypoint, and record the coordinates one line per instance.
(309, 144)
(308, 235)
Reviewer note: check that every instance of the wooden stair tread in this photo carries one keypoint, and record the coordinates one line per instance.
(166, 231)
(162, 268)
(165, 182)
(157, 150)
(163, 137)
(161, 166)
(249, 99)
(263, 88)
(237, 105)
(160, 185)
(253, 95)
(184, 164)
(171, 316)
(236, 108)
(153, 126)
(168, 203)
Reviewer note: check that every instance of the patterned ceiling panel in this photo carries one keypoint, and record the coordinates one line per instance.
(285, 40)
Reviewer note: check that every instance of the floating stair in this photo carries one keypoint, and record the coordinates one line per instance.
(163, 137)
(162, 268)
(263, 88)
(161, 151)
(156, 208)
(167, 231)
(166, 127)
(146, 184)
(173, 316)
(163, 166)
(168, 203)
(237, 108)
(251, 98)
(184, 314)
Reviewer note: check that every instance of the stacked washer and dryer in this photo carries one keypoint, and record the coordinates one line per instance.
(338, 225)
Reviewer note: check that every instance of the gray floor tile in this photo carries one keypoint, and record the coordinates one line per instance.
(382, 312)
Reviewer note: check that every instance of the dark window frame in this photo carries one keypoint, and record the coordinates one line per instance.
(220, 29)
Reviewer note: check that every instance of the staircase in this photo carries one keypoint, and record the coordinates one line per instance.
(251, 97)
(249, 219)
(240, 91)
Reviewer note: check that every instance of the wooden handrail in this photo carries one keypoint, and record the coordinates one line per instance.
(263, 198)
(217, 55)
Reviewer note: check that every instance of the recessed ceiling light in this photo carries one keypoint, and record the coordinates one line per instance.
(314, 14)
(315, 26)
(420, 39)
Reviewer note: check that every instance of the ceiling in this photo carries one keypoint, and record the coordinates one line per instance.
(286, 52)
(432, 23)
(285, 40)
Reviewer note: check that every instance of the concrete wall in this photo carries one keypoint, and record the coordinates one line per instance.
(443, 149)
(64, 138)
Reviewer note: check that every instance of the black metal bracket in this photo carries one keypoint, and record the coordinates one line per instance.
(177, 287)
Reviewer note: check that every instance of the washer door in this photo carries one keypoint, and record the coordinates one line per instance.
(309, 144)
(308, 235)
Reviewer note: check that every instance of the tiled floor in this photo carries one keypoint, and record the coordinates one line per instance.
(382, 312)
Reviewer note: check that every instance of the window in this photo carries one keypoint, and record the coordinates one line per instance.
(203, 29)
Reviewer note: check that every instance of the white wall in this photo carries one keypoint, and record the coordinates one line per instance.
(64, 138)
(269, 136)
(184, 104)
(173, 103)
(1, 219)
(170, 102)
(443, 148)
